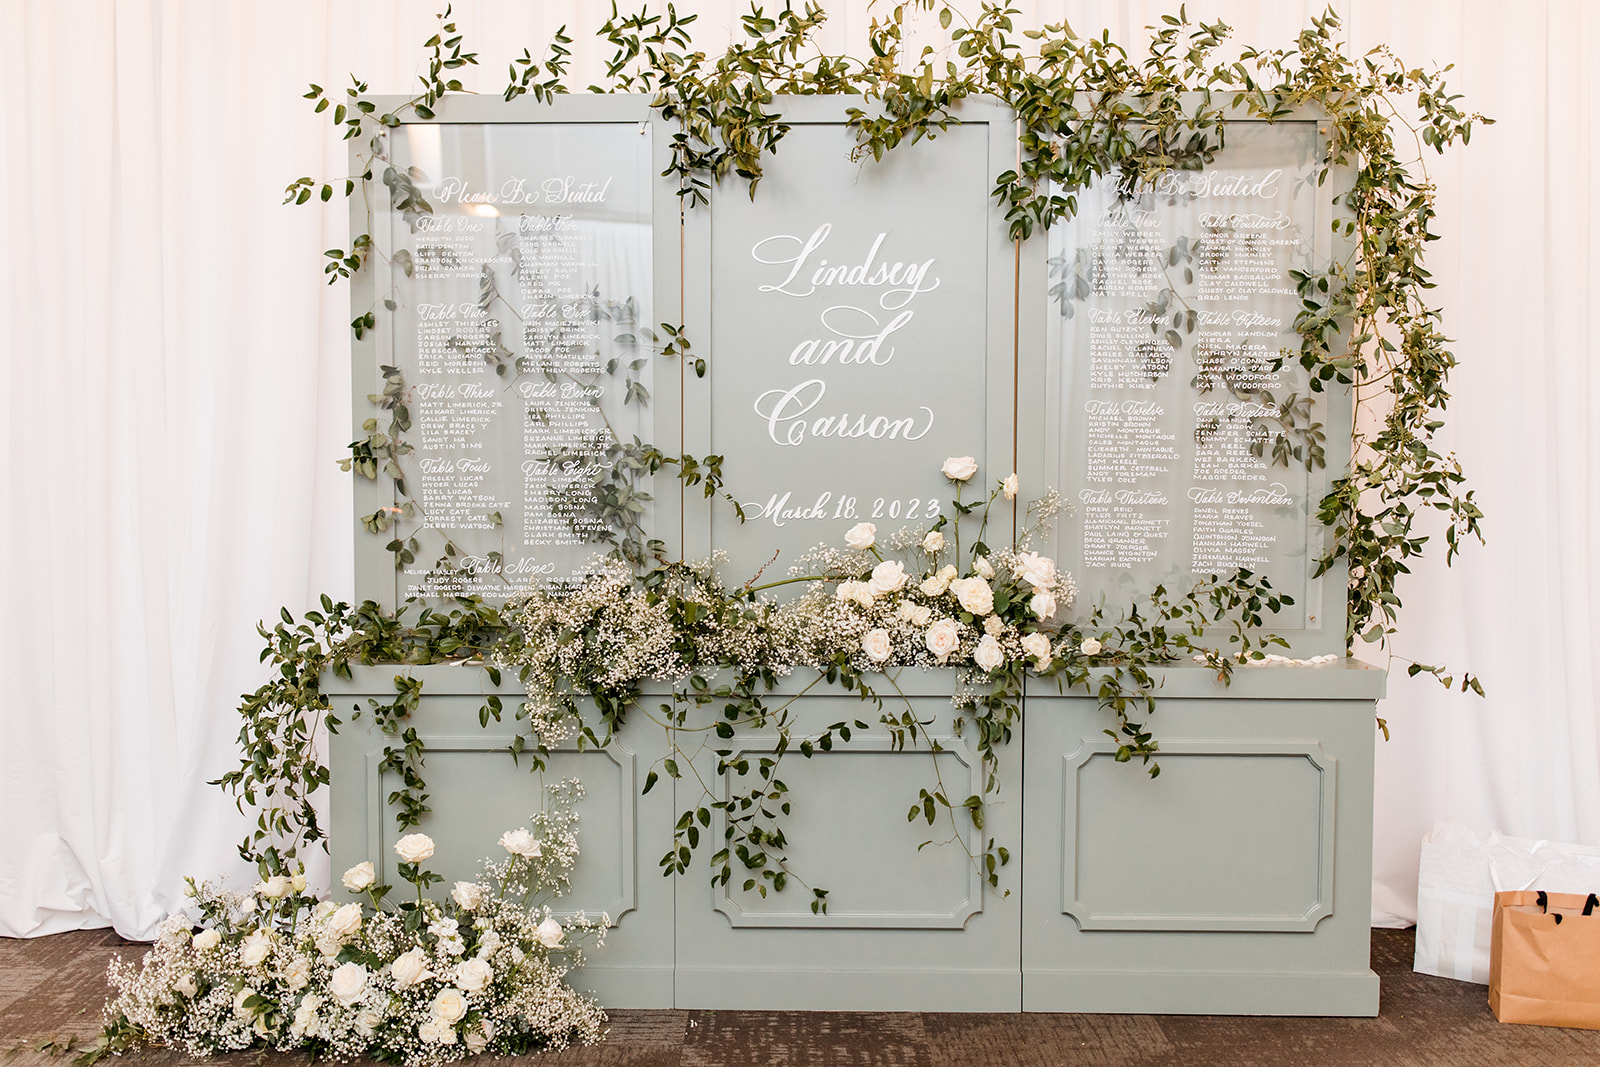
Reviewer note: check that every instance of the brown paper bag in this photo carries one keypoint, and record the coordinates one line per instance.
(1544, 959)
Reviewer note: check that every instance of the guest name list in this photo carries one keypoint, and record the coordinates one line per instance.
(507, 341)
(1178, 436)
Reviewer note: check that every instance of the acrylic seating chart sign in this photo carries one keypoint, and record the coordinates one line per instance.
(1185, 452)
(521, 287)
(860, 321)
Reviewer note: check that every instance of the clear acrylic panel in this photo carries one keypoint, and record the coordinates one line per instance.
(1183, 452)
(522, 287)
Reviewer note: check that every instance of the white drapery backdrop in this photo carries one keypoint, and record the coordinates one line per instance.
(176, 393)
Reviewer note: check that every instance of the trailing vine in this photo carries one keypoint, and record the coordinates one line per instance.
(1088, 114)
(281, 768)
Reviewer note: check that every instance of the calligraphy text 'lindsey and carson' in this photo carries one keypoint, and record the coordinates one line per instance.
(856, 335)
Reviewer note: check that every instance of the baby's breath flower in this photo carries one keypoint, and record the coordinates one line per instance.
(271, 983)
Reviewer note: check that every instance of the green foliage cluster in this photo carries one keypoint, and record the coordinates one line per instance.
(281, 766)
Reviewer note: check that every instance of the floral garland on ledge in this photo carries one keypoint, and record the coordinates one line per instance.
(418, 982)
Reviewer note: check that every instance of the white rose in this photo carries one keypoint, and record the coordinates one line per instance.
(1090, 647)
(274, 887)
(916, 614)
(1043, 604)
(983, 568)
(876, 644)
(476, 1041)
(468, 895)
(1009, 486)
(255, 949)
(888, 577)
(942, 638)
(367, 1022)
(993, 625)
(239, 998)
(298, 882)
(1037, 646)
(345, 922)
(520, 842)
(305, 1023)
(852, 591)
(472, 975)
(414, 848)
(206, 940)
(450, 1005)
(349, 981)
(1038, 571)
(489, 944)
(861, 536)
(959, 468)
(186, 986)
(988, 655)
(298, 974)
(359, 877)
(409, 968)
(435, 1032)
(974, 595)
(549, 933)
(934, 542)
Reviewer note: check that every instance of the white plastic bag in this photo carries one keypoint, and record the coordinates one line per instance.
(1461, 871)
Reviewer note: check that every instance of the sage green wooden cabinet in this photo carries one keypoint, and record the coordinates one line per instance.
(1238, 881)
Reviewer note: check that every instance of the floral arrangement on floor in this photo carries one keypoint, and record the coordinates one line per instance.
(415, 981)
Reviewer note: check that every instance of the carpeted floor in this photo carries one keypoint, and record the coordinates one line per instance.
(52, 989)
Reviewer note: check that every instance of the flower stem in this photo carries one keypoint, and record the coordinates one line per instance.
(789, 581)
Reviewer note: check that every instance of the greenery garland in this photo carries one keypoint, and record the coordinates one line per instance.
(1088, 113)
